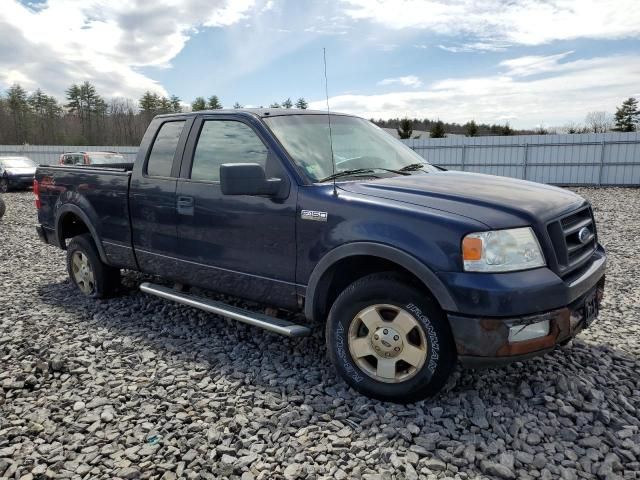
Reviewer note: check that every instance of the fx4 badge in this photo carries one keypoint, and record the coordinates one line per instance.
(314, 215)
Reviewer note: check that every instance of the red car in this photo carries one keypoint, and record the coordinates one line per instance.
(91, 158)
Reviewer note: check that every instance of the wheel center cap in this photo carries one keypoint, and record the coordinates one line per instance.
(386, 342)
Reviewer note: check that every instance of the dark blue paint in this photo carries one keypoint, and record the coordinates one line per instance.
(258, 247)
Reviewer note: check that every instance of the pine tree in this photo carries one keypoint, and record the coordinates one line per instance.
(405, 130)
(237, 106)
(46, 113)
(19, 108)
(627, 116)
(471, 129)
(287, 103)
(437, 130)
(83, 100)
(302, 104)
(506, 130)
(149, 104)
(199, 104)
(164, 105)
(214, 103)
(175, 104)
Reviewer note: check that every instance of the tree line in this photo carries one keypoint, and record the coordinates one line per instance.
(625, 119)
(87, 118)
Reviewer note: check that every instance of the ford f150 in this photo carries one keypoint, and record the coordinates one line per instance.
(410, 267)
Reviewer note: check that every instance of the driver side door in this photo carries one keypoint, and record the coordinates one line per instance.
(242, 245)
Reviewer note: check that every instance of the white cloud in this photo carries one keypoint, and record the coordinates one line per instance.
(103, 41)
(407, 81)
(527, 22)
(475, 47)
(532, 65)
(565, 93)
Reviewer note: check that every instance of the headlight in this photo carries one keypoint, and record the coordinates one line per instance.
(502, 251)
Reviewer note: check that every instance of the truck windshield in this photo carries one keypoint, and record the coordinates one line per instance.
(357, 144)
(17, 162)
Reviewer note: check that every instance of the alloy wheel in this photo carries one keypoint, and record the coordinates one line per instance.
(387, 343)
(82, 272)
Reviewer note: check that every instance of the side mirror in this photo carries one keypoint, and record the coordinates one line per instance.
(247, 179)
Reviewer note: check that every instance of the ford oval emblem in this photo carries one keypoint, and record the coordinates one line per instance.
(584, 234)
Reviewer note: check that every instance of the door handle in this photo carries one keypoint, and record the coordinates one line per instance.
(185, 205)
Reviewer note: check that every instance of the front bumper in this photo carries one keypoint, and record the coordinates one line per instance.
(483, 340)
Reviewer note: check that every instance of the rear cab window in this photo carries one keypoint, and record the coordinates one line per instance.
(160, 161)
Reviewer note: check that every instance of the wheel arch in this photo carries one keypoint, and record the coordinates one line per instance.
(71, 221)
(318, 292)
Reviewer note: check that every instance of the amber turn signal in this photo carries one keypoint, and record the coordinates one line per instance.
(472, 248)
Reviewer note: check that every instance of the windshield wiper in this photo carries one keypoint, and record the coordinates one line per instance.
(412, 167)
(346, 173)
(357, 171)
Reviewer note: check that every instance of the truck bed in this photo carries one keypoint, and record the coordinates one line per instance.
(98, 192)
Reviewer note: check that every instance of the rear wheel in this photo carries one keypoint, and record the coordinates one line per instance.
(4, 185)
(389, 339)
(92, 277)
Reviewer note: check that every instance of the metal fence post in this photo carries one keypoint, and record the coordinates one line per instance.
(604, 143)
(526, 157)
(464, 150)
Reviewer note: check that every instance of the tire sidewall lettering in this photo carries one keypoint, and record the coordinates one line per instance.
(345, 357)
(432, 336)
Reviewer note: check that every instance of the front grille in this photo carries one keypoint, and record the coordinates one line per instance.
(572, 251)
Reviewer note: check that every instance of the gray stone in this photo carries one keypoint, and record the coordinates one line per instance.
(497, 470)
(293, 471)
(435, 465)
(129, 473)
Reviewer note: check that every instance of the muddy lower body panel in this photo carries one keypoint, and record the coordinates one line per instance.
(485, 342)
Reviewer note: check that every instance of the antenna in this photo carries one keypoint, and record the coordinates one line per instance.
(326, 91)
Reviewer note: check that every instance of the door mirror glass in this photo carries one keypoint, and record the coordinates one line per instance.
(247, 179)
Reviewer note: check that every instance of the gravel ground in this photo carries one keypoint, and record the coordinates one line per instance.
(139, 387)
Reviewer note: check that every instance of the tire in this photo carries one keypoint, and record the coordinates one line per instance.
(4, 185)
(87, 272)
(3, 208)
(413, 353)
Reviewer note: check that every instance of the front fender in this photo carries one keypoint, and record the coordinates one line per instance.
(386, 252)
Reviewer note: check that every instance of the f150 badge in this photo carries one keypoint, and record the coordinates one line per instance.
(314, 215)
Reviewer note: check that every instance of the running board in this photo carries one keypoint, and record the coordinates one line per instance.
(260, 320)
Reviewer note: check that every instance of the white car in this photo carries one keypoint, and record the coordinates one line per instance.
(16, 172)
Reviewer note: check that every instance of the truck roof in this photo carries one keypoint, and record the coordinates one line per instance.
(258, 112)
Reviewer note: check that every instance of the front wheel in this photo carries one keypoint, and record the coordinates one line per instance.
(4, 185)
(389, 339)
(92, 277)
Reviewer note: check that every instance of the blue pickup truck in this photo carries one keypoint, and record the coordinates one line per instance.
(410, 267)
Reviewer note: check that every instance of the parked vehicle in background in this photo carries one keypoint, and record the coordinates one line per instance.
(91, 158)
(16, 172)
(412, 268)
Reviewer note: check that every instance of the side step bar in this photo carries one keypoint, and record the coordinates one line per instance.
(261, 320)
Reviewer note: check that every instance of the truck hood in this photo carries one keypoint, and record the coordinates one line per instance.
(498, 202)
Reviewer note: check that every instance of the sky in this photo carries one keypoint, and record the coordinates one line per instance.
(529, 63)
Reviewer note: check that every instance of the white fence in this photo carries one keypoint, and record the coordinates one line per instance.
(584, 159)
(50, 154)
